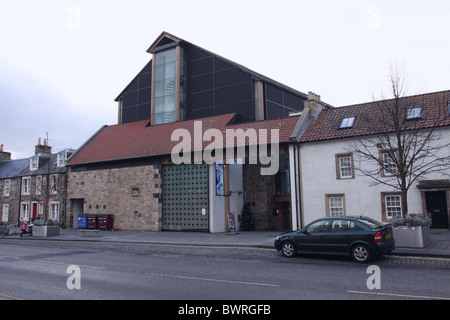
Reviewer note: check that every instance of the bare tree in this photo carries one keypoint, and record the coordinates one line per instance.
(404, 141)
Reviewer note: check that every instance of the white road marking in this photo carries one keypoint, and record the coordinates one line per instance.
(215, 280)
(398, 295)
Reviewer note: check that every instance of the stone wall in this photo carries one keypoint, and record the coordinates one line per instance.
(131, 194)
(258, 192)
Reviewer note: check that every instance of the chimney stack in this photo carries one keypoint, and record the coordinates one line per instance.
(4, 156)
(43, 148)
(314, 103)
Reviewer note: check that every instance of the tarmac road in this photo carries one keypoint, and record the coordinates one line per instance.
(40, 270)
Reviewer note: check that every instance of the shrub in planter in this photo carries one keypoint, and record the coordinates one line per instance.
(412, 231)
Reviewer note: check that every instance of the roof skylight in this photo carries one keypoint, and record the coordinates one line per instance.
(347, 122)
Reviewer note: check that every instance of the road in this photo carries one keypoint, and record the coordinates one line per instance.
(54, 270)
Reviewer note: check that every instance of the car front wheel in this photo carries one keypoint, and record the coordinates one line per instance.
(360, 253)
(288, 249)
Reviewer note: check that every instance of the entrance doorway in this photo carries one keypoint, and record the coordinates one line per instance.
(436, 202)
(185, 202)
(77, 209)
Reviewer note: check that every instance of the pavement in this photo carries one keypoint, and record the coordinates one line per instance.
(439, 247)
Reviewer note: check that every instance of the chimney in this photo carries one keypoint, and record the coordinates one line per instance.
(314, 103)
(4, 156)
(43, 148)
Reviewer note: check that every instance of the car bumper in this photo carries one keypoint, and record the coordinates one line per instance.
(277, 244)
(383, 248)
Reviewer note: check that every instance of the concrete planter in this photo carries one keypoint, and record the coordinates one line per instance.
(412, 237)
(45, 231)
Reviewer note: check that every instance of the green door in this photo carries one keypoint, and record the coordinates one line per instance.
(185, 197)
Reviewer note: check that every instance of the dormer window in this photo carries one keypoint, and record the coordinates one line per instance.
(347, 123)
(34, 163)
(63, 157)
(414, 113)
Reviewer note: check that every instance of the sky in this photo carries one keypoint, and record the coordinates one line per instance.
(62, 63)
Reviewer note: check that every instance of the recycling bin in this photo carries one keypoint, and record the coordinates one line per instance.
(82, 221)
(105, 221)
(92, 221)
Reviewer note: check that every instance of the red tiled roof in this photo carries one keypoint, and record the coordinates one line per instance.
(137, 140)
(369, 121)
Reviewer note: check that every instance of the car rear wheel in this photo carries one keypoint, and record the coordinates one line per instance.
(360, 253)
(288, 249)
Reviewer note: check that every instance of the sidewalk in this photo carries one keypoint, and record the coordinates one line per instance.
(440, 246)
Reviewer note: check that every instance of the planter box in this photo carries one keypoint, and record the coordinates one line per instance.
(45, 231)
(412, 237)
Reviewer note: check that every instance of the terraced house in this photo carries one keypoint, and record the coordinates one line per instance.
(351, 158)
(35, 187)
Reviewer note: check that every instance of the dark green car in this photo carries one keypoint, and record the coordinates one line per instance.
(360, 237)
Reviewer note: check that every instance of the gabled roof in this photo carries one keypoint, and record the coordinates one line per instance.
(47, 165)
(435, 113)
(166, 40)
(136, 140)
(11, 168)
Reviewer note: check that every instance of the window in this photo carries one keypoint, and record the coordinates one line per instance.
(344, 166)
(413, 113)
(62, 158)
(25, 211)
(54, 210)
(391, 205)
(54, 184)
(319, 226)
(7, 188)
(5, 213)
(26, 185)
(346, 225)
(335, 205)
(38, 185)
(34, 163)
(347, 123)
(169, 91)
(389, 165)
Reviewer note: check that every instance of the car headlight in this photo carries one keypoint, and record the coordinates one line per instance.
(277, 238)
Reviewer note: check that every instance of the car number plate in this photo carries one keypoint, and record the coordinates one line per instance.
(388, 236)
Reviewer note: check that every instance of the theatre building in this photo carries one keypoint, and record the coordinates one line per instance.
(190, 147)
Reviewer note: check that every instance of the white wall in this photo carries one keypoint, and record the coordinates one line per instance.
(318, 178)
(217, 203)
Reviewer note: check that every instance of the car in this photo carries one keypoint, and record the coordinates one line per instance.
(358, 236)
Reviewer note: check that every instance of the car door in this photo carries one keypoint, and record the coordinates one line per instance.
(342, 233)
(313, 237)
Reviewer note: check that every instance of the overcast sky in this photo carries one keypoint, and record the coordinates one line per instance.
(62, 63)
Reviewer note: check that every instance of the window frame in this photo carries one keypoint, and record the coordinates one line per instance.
(52, 214)
(387, 163)
(5, 212)
(384, 205)
(7, 188)
(329, 207)
(339, 167)
(412, 114)
(25, 214)
(26, 186)
(347, 122)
